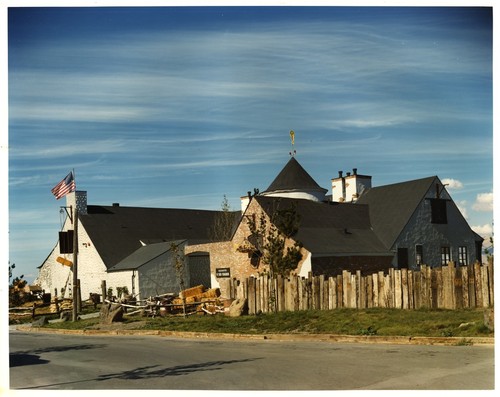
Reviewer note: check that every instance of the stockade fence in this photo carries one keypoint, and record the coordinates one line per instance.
(447, 287)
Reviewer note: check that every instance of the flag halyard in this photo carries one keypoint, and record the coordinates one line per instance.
(67, 185)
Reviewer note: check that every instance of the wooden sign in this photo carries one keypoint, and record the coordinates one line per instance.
(64, 261)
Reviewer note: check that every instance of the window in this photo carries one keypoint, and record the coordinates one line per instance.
(419, 255)
(402, 258)
(438, 211)
(66, 242)
(462, 256)
(445, 256)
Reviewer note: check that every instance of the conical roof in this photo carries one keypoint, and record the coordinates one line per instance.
(294, 178)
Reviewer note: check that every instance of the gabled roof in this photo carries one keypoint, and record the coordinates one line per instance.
(293, 177)
(330, 228)
(144, 255)
(117, 231)
(391, 206)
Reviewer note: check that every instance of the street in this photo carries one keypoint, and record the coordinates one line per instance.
(54, 361)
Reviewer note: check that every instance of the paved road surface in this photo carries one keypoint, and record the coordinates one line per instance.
(52, 361)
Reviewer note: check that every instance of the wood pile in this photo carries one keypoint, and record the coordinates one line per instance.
(58, 305)
(195, 300)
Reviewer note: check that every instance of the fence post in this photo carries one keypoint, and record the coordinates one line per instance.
(398, 304)
(251, 295)
(478, 284)
(332, 293)
(340, 291)
(346, 288)
(458, 288)
(491, 283)
(485, 286)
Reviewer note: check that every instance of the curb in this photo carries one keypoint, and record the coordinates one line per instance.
(371, 339)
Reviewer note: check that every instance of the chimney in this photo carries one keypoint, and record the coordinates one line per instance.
(78, 199)
(338, 188)
(348, 188)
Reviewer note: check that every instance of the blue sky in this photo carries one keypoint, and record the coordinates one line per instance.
(179, 106)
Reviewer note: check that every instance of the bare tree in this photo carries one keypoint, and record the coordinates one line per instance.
(224, 221)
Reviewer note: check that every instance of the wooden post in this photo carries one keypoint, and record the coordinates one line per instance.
(321, 291)
(251, 295)
(478, 284)
(491, 283)
(485, 286)
(398, 304)
(375, 289)
(346, 290)
(458, 288)
(295, 292)
(340, 293)
(79, 297)
(332, 293)
(103, 290)
(75, 264)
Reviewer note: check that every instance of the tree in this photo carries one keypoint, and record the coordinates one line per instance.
(224, 221)
(16, 287)
(180, 269)
(268, 239)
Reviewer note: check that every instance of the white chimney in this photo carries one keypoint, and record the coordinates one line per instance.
(348, 188)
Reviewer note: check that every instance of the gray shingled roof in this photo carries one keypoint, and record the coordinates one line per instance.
(116, 231)
(391, 206)
(144, 255)
(330, 228)
(293, 177)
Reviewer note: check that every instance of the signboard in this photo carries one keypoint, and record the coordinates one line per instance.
(64, 261)
(222, 272)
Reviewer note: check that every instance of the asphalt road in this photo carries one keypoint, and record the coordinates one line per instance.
(53, 361)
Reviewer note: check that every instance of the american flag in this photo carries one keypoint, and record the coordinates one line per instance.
(67, 185)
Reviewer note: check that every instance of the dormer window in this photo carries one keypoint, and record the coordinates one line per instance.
(438, 211)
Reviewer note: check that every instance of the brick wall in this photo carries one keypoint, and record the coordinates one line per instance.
(226, 255)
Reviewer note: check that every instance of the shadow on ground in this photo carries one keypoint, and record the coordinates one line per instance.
(153, 371)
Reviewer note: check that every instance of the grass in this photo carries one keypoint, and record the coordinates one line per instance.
(383, 322)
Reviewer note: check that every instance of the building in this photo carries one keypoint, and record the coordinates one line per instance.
(127, 247)
(358, 227)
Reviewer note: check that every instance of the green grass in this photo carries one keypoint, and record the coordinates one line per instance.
(383, 322)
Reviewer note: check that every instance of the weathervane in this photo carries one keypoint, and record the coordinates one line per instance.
(293, 152)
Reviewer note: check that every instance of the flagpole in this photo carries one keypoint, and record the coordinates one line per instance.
(75, 263)
(76, 286)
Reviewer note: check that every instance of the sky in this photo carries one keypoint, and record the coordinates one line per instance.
(177, 107)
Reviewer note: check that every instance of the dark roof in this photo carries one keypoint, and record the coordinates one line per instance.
(293, 177)
(391, 206)
(117, 231)
(330, 228)
(144, 255)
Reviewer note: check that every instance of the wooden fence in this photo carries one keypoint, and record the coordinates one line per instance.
(447, 287)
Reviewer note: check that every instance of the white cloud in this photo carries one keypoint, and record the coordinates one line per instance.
(484, 202)
(484, 231)
(452, 183)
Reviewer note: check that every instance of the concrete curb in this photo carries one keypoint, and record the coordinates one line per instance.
(400, 340)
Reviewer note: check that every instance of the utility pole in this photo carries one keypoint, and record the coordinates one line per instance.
(75, 265)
